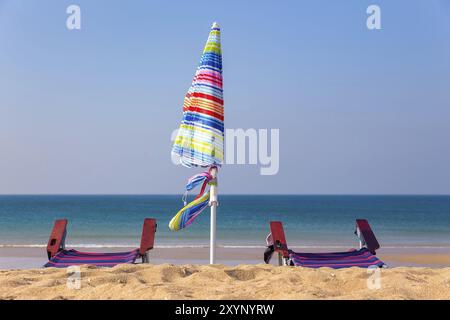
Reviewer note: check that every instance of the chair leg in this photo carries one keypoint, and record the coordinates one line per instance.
(146, 257)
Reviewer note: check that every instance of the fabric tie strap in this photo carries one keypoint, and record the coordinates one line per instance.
(190, 211)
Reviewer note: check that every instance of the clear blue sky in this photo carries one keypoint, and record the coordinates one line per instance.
(359, 111)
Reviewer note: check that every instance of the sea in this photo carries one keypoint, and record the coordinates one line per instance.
(242, 220)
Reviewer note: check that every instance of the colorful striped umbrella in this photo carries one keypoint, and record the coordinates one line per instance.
(200, 138)
(199, 141)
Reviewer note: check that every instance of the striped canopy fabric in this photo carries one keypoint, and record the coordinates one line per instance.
(190, 211)
(200, 138)
(354, 258)
(67, 258)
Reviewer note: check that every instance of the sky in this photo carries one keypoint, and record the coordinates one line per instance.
(359, 111)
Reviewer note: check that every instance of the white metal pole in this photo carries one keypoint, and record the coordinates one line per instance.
(213, 203)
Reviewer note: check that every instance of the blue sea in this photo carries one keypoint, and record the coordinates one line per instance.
(242, 220)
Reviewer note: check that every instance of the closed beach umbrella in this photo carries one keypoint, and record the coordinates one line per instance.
(200, 138)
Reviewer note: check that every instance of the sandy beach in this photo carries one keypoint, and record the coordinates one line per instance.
(168, 281)
(239, 275)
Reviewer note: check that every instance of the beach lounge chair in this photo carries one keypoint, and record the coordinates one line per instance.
(364, 257)
(60, 257)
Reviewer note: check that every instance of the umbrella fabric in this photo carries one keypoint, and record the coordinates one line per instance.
(200, 138)
(190, 211)
(187, 214)
(198, 179)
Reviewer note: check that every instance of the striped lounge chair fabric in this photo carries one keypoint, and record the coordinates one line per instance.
(67, 258)
(363, 258)
(60, 257)
(353, 258)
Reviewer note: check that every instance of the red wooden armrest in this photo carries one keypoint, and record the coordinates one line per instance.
(148, 235)
(279, 239)
(366, 234)
(57, 238)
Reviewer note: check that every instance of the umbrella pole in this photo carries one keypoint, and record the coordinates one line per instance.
(213, 203)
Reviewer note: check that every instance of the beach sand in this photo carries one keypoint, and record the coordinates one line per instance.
(166, 281)
(188, 277)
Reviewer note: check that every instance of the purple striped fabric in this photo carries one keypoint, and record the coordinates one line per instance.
(354, 258)
(67, 258)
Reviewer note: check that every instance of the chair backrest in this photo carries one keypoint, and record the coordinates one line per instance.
(279, 239)
(57, 238)
(364, 231)
(148, 235)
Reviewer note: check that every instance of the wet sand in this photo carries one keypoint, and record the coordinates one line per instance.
(27, 258)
